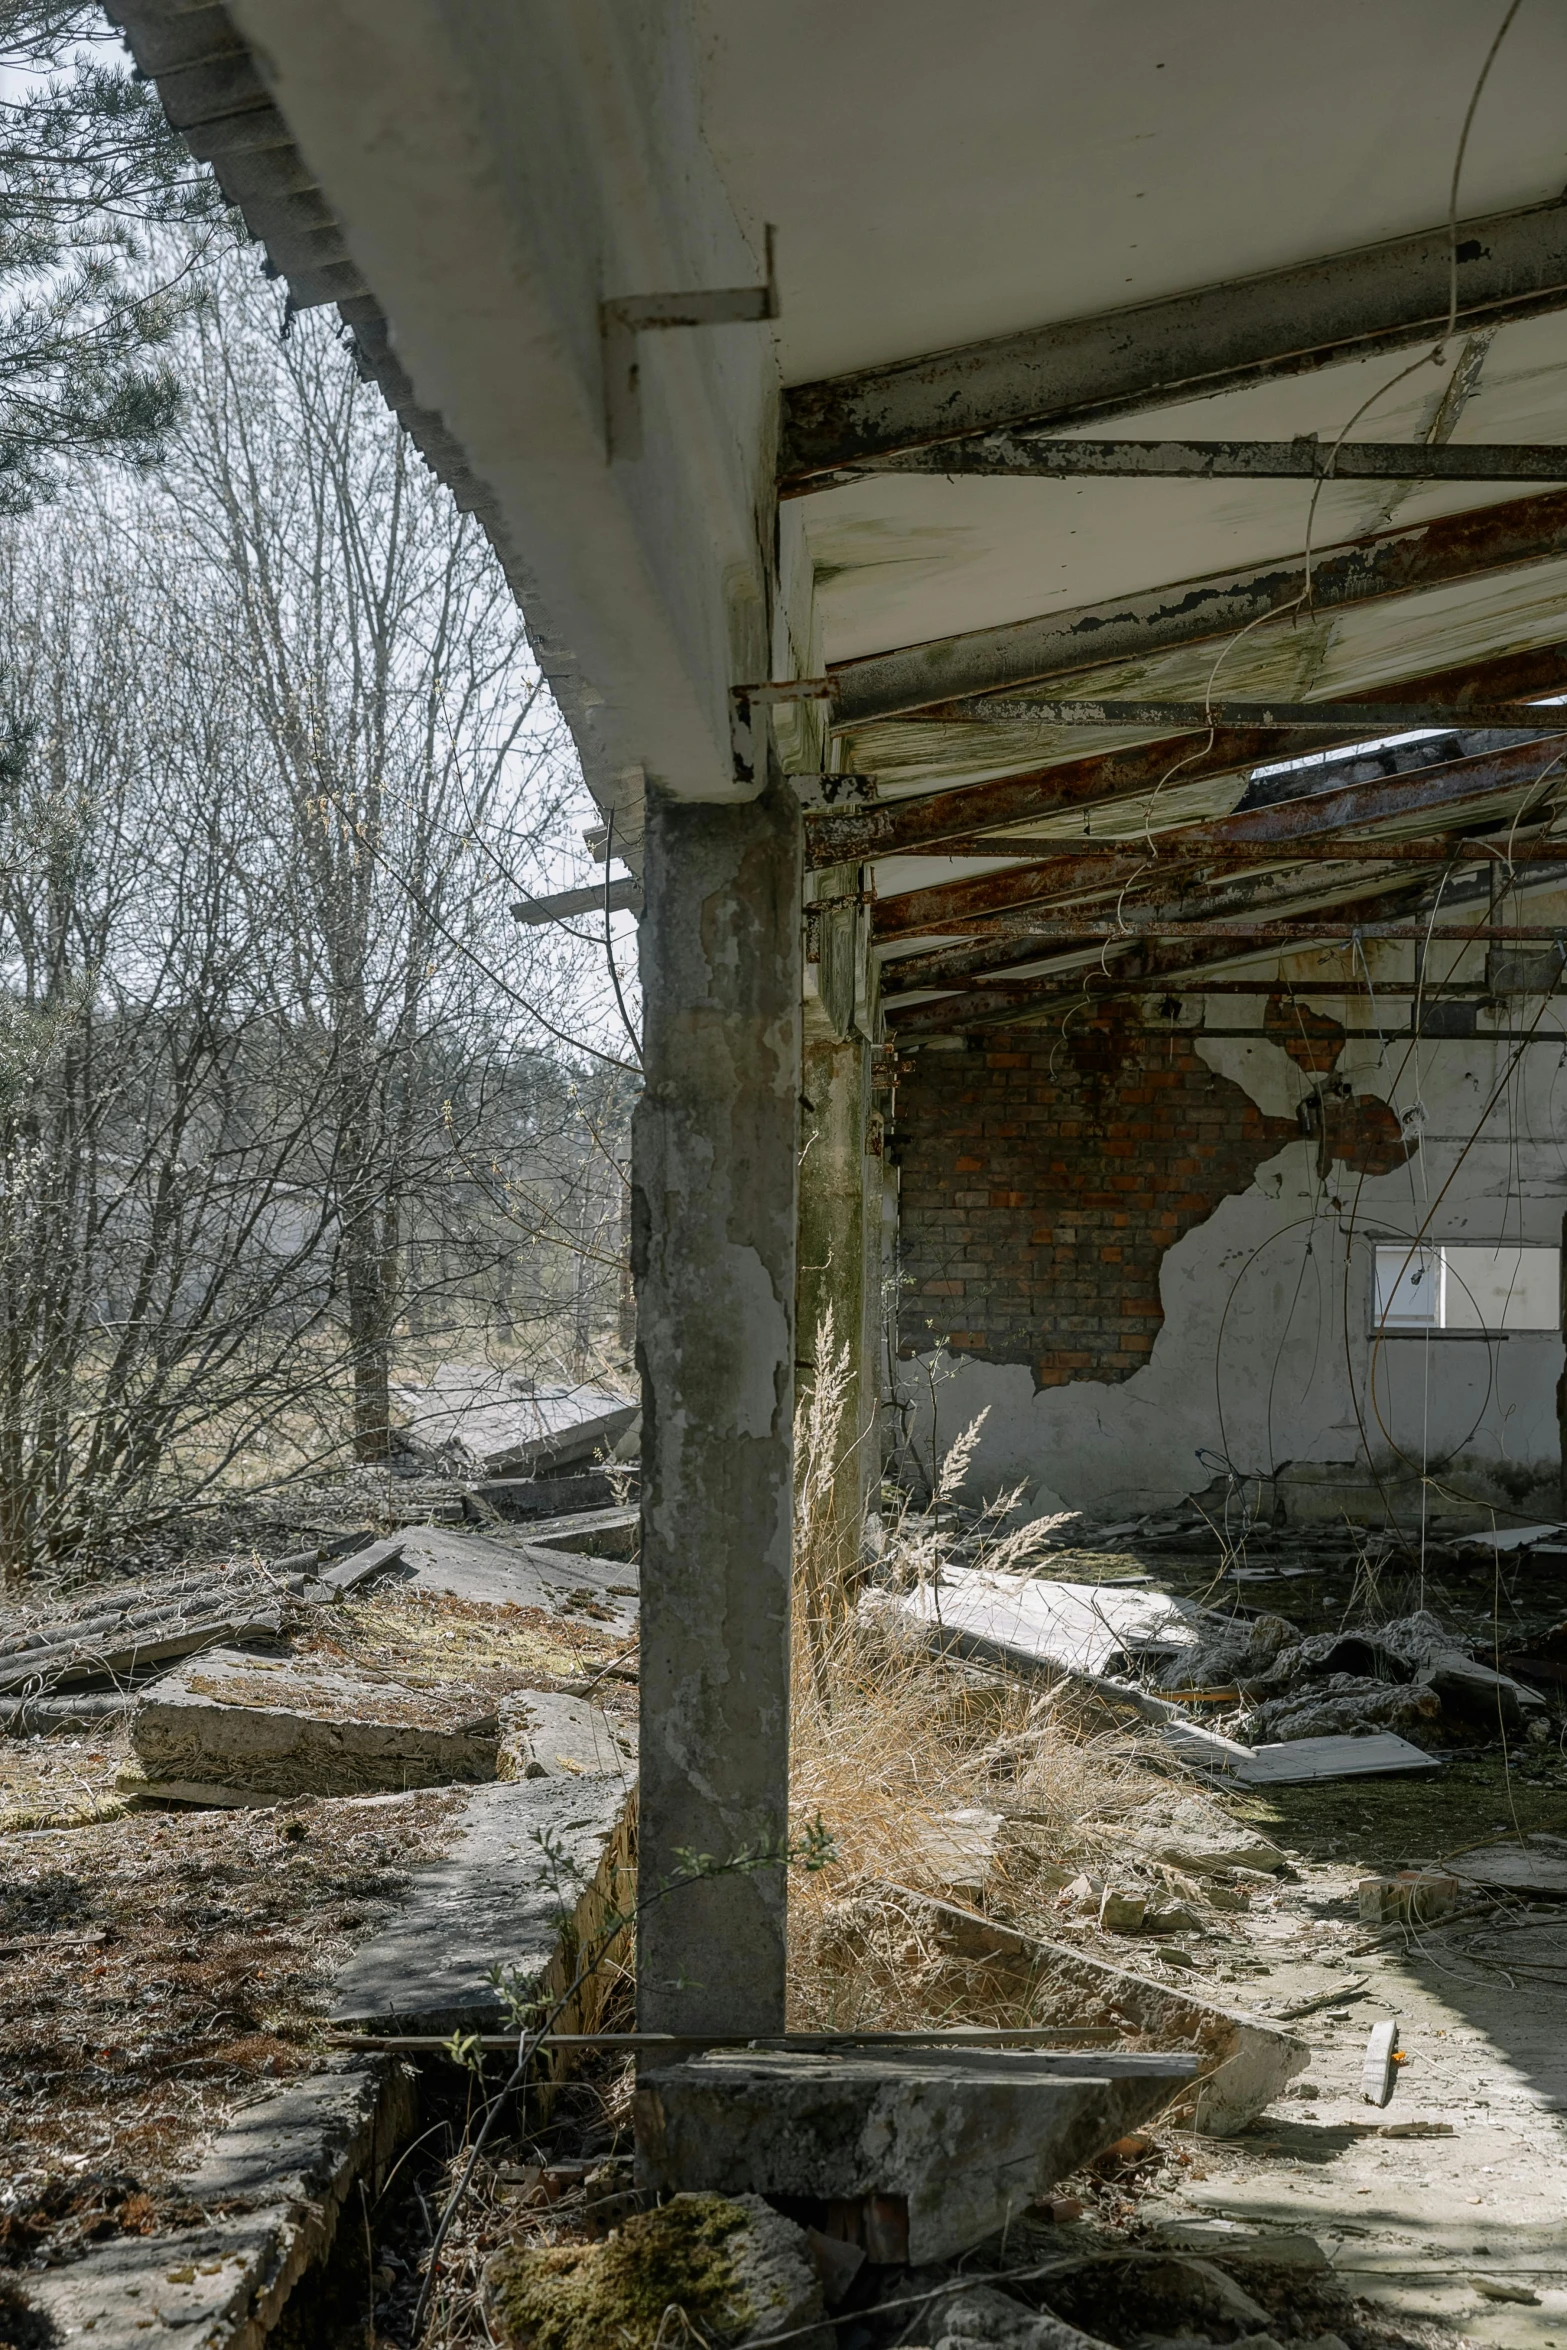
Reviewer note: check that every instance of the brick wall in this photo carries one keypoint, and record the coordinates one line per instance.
(1043, 1180)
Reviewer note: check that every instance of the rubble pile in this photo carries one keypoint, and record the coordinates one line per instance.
(1412, 1676)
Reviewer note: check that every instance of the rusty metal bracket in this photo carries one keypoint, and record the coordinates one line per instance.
(820, 792)
(626, 316)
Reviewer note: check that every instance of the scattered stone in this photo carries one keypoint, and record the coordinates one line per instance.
(1379, 2072)
(1226, 2239)
(1537, 1865)
(963, 2138)
(1171, 1918)
(1121, 1911)
(1495, 2289)
(1200, 1838)
(1418, 1895)
(978, 2317)
(957, 1849)
(736, 2269)
(234, 1727)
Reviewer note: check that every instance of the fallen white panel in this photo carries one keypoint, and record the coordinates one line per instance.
(1299, 1759)
(1509, 1538)
(1081, 1627)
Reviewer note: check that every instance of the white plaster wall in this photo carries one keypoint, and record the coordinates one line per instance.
(1265, 1357)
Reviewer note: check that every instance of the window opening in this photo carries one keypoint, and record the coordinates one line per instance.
(1466, 1286)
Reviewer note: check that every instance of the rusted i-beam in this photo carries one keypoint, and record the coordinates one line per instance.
(906, 826)
(1309, 314)
(1353, 806)
(1420, 557)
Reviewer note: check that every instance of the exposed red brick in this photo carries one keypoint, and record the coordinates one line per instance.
(1072, 1156)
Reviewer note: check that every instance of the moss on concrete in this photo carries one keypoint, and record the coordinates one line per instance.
(586, 2296)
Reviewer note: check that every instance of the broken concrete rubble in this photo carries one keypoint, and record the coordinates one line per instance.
(979, 2317)
(505, 1424)
(234, 1727)
(1535, 1866)
(964, 2138)
(279, 2177)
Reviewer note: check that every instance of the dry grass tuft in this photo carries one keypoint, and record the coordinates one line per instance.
(890, 1740)
(433, 1640)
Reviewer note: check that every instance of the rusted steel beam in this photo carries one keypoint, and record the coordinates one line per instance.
(913, 911)
(1455, 547)
(1444, 849)
(1038, 454)
(901, 827)
(1285, 322)
(1333, 717)
(1073, 929)
(1145, 966)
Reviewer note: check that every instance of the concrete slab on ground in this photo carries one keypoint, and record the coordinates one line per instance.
(232, 1726)
(498, 1571)
(968, 2137)
(508, 1425)
(1244, 2061)
(281, 2171)
(493, 1902)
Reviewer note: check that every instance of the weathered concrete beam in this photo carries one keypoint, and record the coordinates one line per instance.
(713, 1250)
(898, 827)
(1135, 627)
(1034, 455)
(1291, 321)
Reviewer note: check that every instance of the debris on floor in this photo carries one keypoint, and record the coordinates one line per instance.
(501, 1423)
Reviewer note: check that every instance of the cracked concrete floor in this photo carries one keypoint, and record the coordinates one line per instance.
(1433, 2226)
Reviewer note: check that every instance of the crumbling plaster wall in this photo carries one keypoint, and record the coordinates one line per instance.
(1263, 1358)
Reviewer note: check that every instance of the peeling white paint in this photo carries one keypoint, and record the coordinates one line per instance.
(1253, 1367)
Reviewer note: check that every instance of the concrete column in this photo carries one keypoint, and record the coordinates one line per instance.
(840, 1212)
(713, 1250)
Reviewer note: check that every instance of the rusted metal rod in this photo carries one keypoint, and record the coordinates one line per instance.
(1316, 817)
(1052, 930)
(871, 828)
(1189, 845)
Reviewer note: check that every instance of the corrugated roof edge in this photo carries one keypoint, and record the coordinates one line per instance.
(215, 98)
